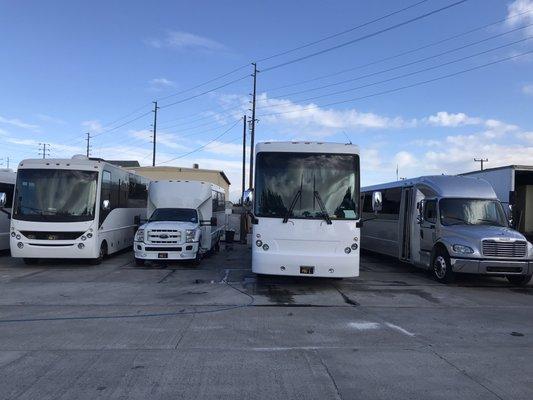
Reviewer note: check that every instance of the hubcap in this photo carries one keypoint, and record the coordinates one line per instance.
(439, 266)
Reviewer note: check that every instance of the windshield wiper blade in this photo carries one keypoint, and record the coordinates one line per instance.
(293, 204)
(322, 207)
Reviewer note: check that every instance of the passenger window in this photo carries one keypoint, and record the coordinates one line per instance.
(430, 211)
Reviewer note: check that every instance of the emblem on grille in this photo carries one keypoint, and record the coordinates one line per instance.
(52, 237)
(164, 236)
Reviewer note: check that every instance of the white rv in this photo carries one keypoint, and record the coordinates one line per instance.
(306, 209)
(185, 221)
(513, 185)
(447, 224)
(74, 208)
(7, 187)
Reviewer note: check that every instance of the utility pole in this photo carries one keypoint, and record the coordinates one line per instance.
(252, 127)
(155, 131)
(243, 157)
(482, 161)
(7, 161)
(45, 151)
(88, 143)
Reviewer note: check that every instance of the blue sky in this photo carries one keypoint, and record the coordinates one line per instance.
(69, 67)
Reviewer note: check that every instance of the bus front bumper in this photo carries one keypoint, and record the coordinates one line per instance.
(493, 267)
(186, 251)
(52, 249)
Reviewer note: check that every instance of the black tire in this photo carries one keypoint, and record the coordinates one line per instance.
(441, 267)
(198, 258)
(31, 261)
(217, 246)
(101, 255)
(139, 262)
(519, 280)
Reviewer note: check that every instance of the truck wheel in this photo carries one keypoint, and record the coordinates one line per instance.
(442, 267)
(519, 280)
(139, 262)
(197, 258)
(101, 255)
(31, 261)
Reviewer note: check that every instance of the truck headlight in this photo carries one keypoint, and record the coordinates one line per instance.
(139, 236)
(461, 249)
(190, 235)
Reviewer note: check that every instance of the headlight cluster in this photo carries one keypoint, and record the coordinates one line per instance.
(264, 246)
(354, 246)
(139, 235)
(190, 235)
(462, 249)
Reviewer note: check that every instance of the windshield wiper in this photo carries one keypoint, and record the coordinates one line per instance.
(322, 207)
(459, 220)
(293, 204)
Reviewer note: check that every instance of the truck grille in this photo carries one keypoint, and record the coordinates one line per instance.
(164, 236)
(493, 248)
(41, 235)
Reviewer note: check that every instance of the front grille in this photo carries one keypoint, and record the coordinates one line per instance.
(164, 236)
(41, 235)
(162, 248)
(494, 248)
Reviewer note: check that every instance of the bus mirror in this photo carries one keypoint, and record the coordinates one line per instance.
(248, 197)
(377, 201)
(106, 205)
(3, 199)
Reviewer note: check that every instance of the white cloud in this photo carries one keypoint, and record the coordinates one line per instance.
(163, 138)
(18, 123)
(226, 149)
(161, 83)
(405, 159)
(525, 18)
(528, 89)
(93, 126)
(446, 119)
(186, 41)
(57, 149)
(48, 118)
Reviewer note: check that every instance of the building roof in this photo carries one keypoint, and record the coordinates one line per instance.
(514, 167)
(125, 163)
(183, 169)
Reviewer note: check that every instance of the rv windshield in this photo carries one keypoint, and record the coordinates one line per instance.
(293, 185)
(471, 212)
(55, 195)
(175, 214)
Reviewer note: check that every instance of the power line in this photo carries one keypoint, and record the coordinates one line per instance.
(432, 44)
(464, 71)
(367, 36)
(409, 73)
(45, 150)
(124, 124)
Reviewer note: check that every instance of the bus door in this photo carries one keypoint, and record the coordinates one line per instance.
(428, 229)
(405, 224)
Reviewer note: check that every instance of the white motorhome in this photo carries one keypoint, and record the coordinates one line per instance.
(513, 185)
(306, 209)
(74, 208)
(185, 221)
(7, 187)
(447, 224)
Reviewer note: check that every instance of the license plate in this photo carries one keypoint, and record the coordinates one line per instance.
(307, 270)
(162, 255)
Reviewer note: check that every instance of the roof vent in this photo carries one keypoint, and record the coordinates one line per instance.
(79, 157)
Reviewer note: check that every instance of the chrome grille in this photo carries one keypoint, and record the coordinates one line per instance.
(164, 236)
(494, 248)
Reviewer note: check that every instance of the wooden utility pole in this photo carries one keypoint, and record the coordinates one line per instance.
(45, 150)
(252, 128)
(155, 132)
(243, 158)
(482, 161)
(88, 143)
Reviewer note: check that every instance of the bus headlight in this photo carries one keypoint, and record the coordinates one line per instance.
(18, 236)
(89, 235)
(13, 234)
(139, 235)
(354, 246)
(81, 246)
(258, 243)
(347, 250)
(461, 249)
(266, 247)
(20, 245)
(83, 238)
(190, 235)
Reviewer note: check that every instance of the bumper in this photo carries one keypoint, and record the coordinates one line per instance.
(59, 249)
(324, 266)
(186, 251)
(496, 267)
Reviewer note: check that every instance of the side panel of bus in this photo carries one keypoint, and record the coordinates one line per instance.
(8, 189)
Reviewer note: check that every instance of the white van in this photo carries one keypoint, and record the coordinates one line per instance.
(185, 221)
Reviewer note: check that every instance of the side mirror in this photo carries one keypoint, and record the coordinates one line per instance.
(106, 205)
(3, 199)
(213, 221)
(248, 197)
(420, 208)
(377, 201)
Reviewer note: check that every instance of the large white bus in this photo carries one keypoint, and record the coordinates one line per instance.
(74, 208)
(306, 209)
(7, 186)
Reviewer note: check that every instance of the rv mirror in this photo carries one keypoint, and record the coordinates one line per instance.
(214, 221)
(377, 201)
(3, 199)
(248, 197)
(106, 205)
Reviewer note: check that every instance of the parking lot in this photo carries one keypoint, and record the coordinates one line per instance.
(216, 331)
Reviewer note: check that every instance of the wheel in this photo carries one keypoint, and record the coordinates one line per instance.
(442, 268)
(139, 262)
(197, 258)
(101, 255)
(31, 261)
(217, 246)
(519, 280)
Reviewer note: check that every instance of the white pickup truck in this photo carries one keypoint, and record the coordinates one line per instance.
(185, 221)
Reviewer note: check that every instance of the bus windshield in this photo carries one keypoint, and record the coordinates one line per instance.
(55, 195)
(471, 212)
(307, 185)
(174, 214)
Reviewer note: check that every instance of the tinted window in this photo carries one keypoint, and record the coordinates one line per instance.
(366, 199)
(175, 214)
(8, 189)
(391, 202)
(430, 211)
(471, 212)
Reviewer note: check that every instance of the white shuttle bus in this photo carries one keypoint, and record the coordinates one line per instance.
(306, 209)
(7, 186)
(74, 208)
(185, 221)
(445, 224)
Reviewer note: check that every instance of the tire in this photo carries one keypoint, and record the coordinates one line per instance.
(198, 258)
(217, 246)
(441, 267)
(519, 280)
(31, 261)
(101, 256)
(139, 262)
